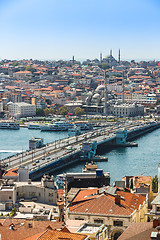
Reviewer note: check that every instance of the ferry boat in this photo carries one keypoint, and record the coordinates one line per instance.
(74, 131)
(84, 125)
(33, 126)
(57, 126)
(9, 125)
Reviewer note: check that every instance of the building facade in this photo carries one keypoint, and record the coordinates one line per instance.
(22, 109)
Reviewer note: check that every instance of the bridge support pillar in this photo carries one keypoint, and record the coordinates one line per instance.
(121, 136)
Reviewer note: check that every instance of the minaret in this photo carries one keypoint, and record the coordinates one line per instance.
(100, 57)
(110, 58)
(119, 56)
(106, 95)
(123, 87)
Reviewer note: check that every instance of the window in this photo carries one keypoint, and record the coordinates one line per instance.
(79, 218)
(32, 194)
(158, 209)
(50, 194)
(100, 221)
(10, 197)
(117, 223)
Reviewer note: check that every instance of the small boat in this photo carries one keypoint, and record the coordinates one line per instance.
(90, 167)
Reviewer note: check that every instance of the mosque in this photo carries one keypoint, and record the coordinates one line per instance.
(97, 101)
(100, 101)
(110, 60)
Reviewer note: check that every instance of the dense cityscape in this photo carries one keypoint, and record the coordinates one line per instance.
(99, 105)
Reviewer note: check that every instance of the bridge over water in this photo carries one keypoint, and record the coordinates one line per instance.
(55, 156)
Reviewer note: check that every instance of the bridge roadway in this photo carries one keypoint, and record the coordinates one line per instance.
(38, 158)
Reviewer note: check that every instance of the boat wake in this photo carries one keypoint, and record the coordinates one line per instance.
(10, 151)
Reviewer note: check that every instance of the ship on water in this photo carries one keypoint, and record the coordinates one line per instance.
(57, 126)
(34, 126)
(9, 125)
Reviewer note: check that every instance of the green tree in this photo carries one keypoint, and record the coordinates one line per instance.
(39, 112)
(63, 110)
(15, 63)
(155, 184)
(48, 111)
(78, 111)
(104, 66)
(30, 68)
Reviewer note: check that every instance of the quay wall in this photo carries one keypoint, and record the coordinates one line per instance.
(55, 165)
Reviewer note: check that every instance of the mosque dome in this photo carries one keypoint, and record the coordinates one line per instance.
(9, 103)
(89, 93)
(100, 88)
(95, 96)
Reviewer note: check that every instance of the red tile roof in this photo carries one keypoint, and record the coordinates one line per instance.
(22, 230)
(102, 204)
(57, 235)
(84, 195)
(138, 231)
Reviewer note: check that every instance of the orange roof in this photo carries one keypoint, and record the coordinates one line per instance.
(131, 200)
(57, 235)
(105, 204)
(23, 231)
(12, 172)
(22, 72)
(84, 195)
(102, 204)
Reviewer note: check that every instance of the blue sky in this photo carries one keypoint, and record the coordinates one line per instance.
(59, 29)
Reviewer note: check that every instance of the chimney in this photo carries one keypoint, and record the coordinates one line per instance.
(117, 199)
(29, 181)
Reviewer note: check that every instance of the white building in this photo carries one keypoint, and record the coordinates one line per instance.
(44, 191)
(21, 109)
(7, 196)
(12, 191)
(127, 110)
